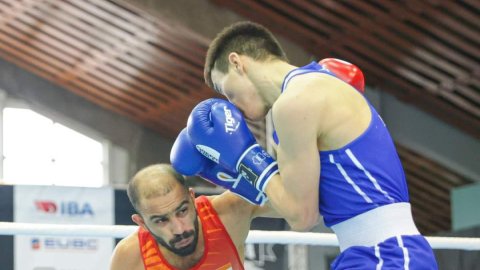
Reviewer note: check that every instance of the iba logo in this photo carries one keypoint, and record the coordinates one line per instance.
(68, 208)
(46, 206)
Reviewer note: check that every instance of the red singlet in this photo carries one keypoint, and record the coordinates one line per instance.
(220, 252)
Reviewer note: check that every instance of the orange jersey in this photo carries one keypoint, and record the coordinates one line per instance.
(220, 252)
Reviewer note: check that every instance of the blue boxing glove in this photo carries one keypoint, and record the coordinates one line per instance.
(188, 161)
(218, 131)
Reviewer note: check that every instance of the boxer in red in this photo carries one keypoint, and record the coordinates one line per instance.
(179, 231)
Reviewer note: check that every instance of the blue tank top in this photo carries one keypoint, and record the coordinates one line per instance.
(364, 174)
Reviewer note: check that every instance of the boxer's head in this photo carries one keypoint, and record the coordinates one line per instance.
(165, 207)
(230, 65)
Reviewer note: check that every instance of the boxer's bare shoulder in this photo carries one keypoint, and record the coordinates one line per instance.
(127, 254)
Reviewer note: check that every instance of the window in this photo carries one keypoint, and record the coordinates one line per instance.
(39, 151)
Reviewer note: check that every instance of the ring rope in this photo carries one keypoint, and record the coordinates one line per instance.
(254, 236)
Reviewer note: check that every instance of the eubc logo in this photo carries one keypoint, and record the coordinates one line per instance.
(53, 243)
(35, 243)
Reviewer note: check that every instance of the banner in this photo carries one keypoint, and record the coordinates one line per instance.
(63, 205)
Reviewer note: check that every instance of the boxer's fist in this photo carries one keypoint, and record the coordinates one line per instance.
(345, 71)
(188, 161)
(217, 129)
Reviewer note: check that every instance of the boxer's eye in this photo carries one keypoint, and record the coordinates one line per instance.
(183, 212)
(160, 220)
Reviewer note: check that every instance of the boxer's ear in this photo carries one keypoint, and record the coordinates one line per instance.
(139, 220)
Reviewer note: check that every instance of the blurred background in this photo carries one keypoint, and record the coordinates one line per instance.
(93, 90)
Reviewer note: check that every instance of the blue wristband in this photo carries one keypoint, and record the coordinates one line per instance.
(257, 166)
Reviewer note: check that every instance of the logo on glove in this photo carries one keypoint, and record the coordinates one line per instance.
(208, 152)
(248, 174)
(225, 177)
(259, 157)
(230, 126)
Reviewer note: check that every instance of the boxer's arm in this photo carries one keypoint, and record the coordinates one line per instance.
(294, 193)
(265, 210)
(236, 215)
(249, 210)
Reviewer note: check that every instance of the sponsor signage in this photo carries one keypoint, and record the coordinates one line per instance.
(63, 205)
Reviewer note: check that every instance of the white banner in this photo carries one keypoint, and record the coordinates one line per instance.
(63, 205)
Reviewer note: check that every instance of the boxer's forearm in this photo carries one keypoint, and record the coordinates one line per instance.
(299, 213)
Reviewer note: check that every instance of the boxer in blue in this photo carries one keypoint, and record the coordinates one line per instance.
(335, 155)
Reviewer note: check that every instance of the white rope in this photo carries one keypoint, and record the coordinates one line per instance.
(16, 228)
(266, 237)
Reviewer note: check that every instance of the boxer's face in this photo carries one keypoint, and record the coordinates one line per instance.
(172, 220)
(237, 87)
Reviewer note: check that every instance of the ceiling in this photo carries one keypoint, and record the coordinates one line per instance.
(424, 52)
(125, 62)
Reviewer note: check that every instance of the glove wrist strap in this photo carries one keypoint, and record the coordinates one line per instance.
(257, 166)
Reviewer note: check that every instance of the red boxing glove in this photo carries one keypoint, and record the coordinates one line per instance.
(345, 71)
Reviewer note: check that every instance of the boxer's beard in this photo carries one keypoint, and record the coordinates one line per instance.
(183, 251)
